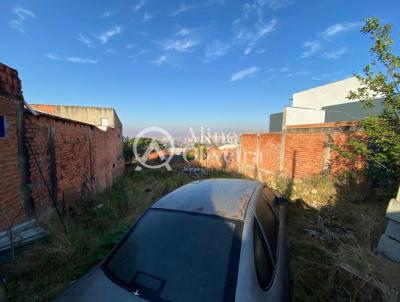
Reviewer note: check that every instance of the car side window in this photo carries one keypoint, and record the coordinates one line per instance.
(262, 258)
(269, 223)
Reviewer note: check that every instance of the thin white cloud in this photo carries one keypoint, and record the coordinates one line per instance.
(216, 49)
(70, 59)
(261, 30)
(183, 32)
(252, 35)
(311, 48)
(276, 4)
(285, 71)
(340, 27)
(184, 8)
(247, 51)
(179, 45)
(85, 40)
(161, 60)
(107, 14)
(333, 55)
(17, 25)
(137, 54)
(139, 5)
(264, 29)
(251, 27)
(146, 17)
(187, 7)
(245, 73)
(21, 14)
(104, 37)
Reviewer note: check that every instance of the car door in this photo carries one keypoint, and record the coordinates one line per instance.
(265, 241)
(263, 272)
(269, 244)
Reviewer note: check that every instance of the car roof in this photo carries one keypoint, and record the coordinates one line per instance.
(227, 198)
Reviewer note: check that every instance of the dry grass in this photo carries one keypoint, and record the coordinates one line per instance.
(327, 216)
(322, 219)
(44, 270)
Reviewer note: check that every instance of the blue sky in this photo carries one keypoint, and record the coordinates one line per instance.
(224, 65)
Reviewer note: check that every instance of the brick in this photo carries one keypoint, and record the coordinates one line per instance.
(80, 150)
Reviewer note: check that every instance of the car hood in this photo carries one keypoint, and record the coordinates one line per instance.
(96, 286)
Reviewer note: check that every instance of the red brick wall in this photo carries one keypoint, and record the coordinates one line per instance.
(36, 138)
(44, 108)
(304, 154)
(248, 147)
(109, 160)
(84, 155)
(269, 144)
(339, 163)
(221, 159)
(10, 181)
(10, 84)
(306, 150)
(71, 152)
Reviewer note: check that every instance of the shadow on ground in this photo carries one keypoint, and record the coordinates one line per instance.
(334, 227)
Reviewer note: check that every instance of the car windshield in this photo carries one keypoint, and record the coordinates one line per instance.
(179, 256)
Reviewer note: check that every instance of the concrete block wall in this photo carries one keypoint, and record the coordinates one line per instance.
(389, 243)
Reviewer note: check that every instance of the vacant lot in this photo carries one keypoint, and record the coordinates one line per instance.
(327, 226)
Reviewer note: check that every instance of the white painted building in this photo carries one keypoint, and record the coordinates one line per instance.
(327, 103)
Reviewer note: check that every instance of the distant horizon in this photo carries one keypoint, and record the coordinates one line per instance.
(219, 64)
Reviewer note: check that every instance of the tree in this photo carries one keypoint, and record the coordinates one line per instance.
(201, 150)
(380, 82)
(128, 149)
(142, 145)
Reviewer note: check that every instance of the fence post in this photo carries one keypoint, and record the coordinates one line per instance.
(239, 166)
(327, 154)
(282, 151)
(257, 155)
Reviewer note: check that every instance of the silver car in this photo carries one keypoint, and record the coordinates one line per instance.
(210, 240)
